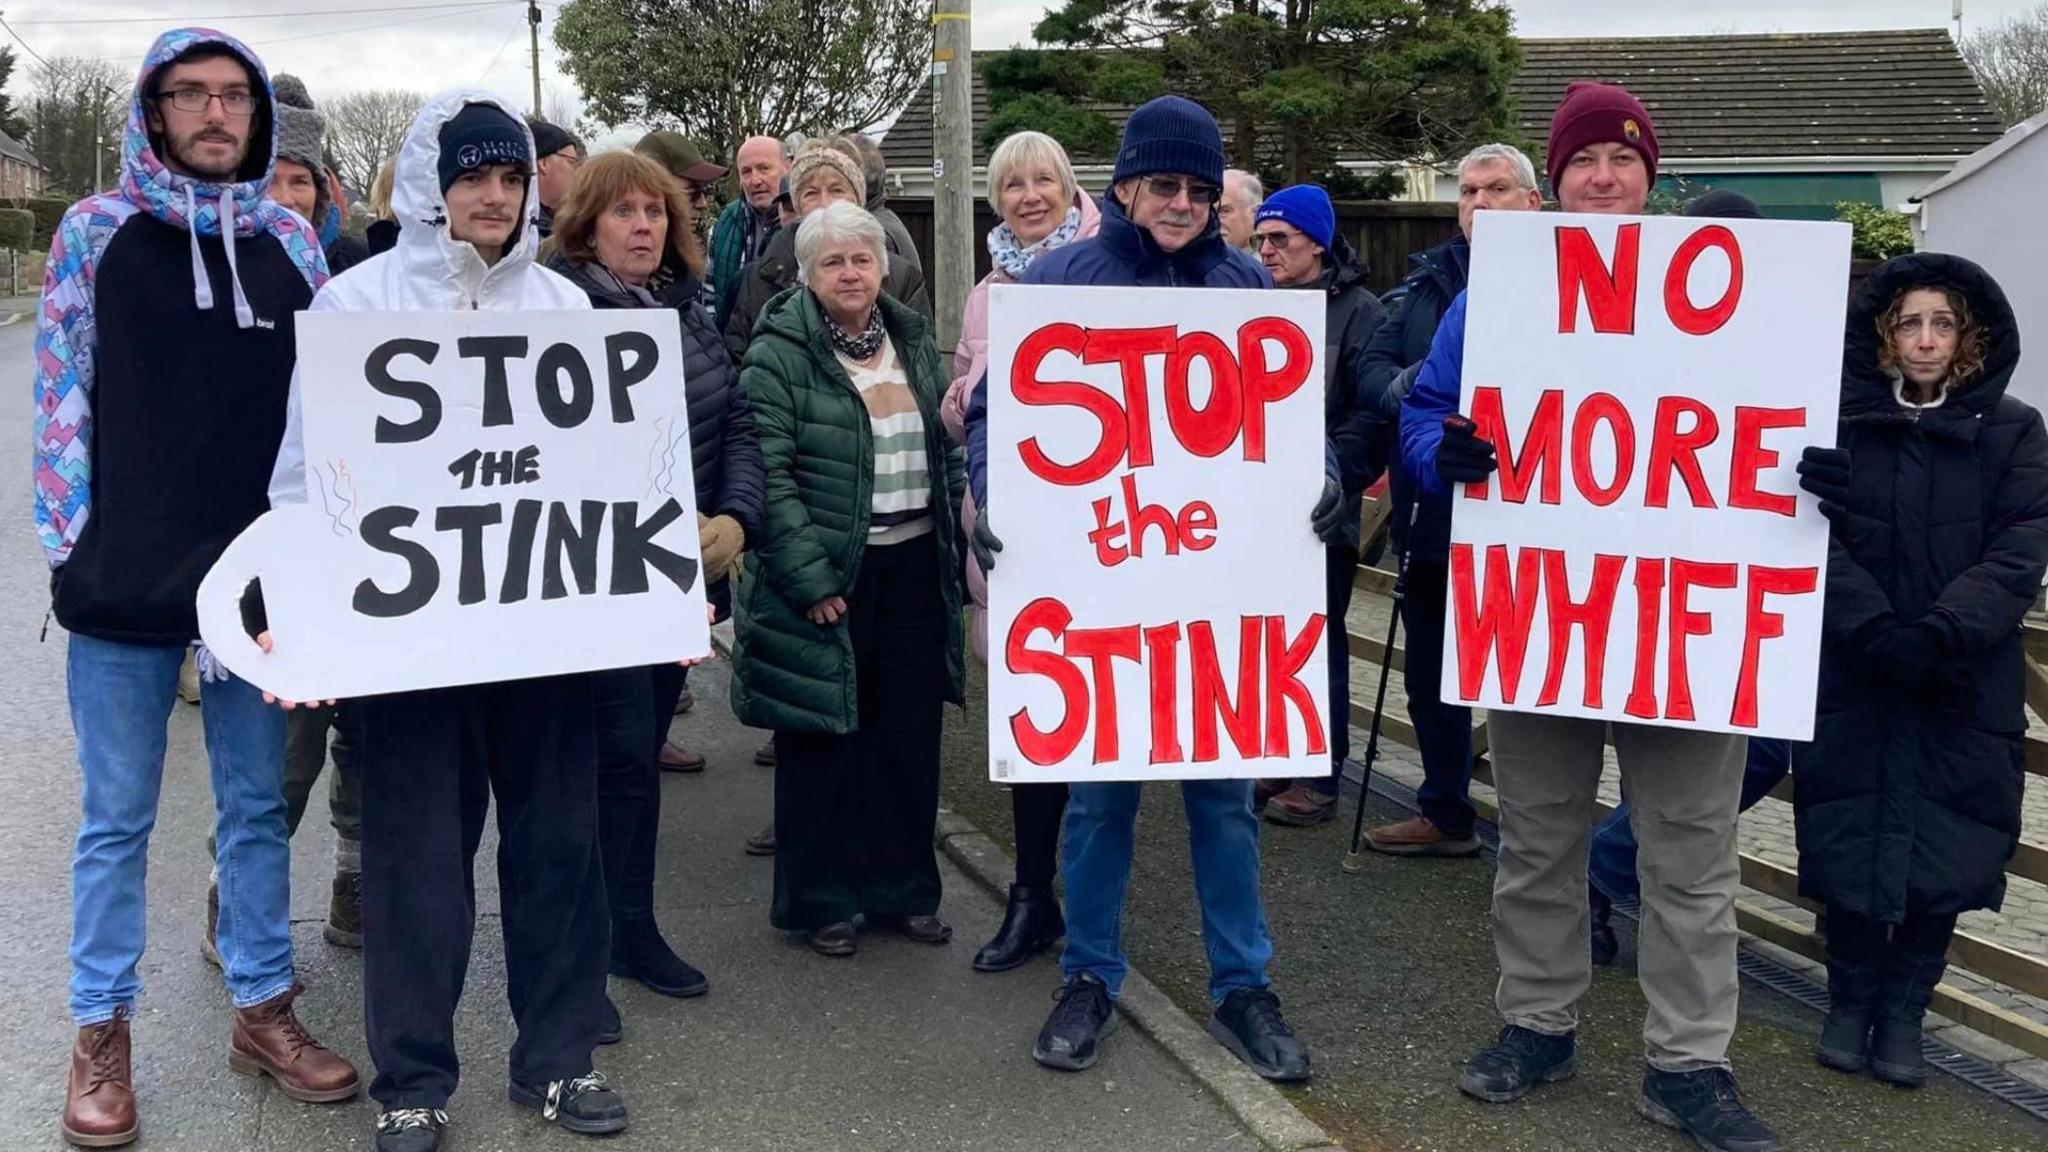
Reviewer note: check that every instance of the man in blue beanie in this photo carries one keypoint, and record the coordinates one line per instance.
(1294, 234)
(1159, 229)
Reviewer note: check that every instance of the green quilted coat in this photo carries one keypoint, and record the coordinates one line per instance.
(788, 673)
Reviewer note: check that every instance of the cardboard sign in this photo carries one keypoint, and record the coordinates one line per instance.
(1645, 552)
(1157, 610)
(490, 496)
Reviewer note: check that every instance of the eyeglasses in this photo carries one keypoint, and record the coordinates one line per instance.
(1279, 240)
(236, 104)
(1169, 187)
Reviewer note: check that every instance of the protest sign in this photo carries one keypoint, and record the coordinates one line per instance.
(1645, 553)
(1157, 611)
(489, 496)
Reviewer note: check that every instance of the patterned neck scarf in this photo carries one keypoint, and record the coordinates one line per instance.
(1013, 258)
(863, 345)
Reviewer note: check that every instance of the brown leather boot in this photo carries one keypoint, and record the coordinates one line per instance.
(99, 1105)
(268, 1040)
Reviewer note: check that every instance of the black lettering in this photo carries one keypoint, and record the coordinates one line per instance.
(579, 545)
(570, 411)
(633, 549)
(470, 520)
(622, 375)
(379, 531)
(519, 551)
(494, 351)
(464, 467)
(377, 371)
(498, 467)
(528, 469)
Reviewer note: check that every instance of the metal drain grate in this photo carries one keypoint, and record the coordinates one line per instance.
(2029, 1098)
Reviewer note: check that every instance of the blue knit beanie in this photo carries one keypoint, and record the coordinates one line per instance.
(1171, 134)
(1307, 207)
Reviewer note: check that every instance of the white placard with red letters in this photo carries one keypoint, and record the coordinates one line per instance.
(1157, 612)
(1645, 552)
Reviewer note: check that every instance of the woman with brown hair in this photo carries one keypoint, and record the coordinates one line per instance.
(624, 236)
(1908, 798)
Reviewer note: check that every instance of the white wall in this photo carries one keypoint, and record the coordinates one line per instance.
(1994, 218)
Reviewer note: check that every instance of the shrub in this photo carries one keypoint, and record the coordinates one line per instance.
(17, 229)
(1878, 233)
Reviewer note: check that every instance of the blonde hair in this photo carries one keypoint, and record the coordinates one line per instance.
(380, 190)
(1022, 151)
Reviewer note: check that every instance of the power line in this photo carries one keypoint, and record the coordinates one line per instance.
(507, 43)
(24, 44)
(369, 27)
(225, 17)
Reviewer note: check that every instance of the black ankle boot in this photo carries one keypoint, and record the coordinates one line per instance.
(1909, 980)
(1852, 992)
(640, 953)
(1031, 924)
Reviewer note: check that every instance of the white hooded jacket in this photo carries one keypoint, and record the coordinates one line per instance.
(428, 270)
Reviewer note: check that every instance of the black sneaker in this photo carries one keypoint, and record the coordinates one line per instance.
(611, 1027)
(1083, 1016)
(1705, 1106)
(584, 1104)
(1248, 1022)
(410, 1130)
(1518, 1061)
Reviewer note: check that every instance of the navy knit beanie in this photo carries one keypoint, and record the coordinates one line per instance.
(1307, 207)
(479, 136)
(1171, 134)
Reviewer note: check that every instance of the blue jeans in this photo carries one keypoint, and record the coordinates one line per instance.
(1223, 837)
(1612, 867)
(121, 700)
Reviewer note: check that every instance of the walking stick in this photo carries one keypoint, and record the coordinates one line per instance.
(1353, 860)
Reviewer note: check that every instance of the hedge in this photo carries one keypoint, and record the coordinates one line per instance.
(17, 229)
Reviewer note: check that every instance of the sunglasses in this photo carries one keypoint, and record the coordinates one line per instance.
(1169, 187)
(1279, 240)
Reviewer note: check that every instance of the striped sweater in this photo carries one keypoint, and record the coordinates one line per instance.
(901, 507)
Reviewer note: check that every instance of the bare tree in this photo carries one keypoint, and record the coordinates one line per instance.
(2011, 62)
(560, 107)
(78, 109)
(364, 129)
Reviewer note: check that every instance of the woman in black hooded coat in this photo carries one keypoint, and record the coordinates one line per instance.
(1908, 799)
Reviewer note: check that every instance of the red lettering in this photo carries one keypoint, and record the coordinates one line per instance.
(1037, 745)
(1197, 517)
(1751, 457)
(1760, 624)
(1672, 451)
(1143, 516)
(1685, 576)
(1642, 693)
(1677, 294)
(1264, 384)
(1127, 348)
(1284, 659)
(1602, 407)
(1162, 650)
(1205, 681)
(1211, 429)
(1497, 622)
(1105, 535)
(1593, 615)
(1540, 449)
(1029, 389)
(1099, 646)
(1610, 294)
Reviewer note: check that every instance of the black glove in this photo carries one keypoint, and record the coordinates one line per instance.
(1462, 457)
(1327, 518)
(1825, 473)
(1907, 656)
(983, 543)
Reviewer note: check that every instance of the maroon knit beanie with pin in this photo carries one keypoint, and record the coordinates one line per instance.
(1599, 114)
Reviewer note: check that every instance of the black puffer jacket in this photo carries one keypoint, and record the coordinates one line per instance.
(1911, 802)
(1354, 315)
(775, 273)
(1414, 308)
(725, 453)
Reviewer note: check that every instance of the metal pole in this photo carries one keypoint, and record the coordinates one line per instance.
(952, 164)
(533, 38)
(1353, 861)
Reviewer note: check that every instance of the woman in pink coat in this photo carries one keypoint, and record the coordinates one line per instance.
(1031, 186)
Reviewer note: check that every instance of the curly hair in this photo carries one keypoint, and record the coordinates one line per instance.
(1972, 342)
(600, 183)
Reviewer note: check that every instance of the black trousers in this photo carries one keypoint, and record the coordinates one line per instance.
(1036, 811)
(634, 707)
(431, 763)
(855, 814)
(1890, 969)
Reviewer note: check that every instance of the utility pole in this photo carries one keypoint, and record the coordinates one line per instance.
(952, 164)
(533, 38)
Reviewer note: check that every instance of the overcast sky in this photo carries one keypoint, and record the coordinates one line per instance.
(1002, 23)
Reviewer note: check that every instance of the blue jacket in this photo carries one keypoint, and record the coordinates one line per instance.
(1434, 396)
(1122, 255)
(1415, 308)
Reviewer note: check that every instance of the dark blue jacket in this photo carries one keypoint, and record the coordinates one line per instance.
(1415, 308)
(1434, 396)
(1121, 255)
(1357, 446)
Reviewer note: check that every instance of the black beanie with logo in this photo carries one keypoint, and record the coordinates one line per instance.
(479, 136)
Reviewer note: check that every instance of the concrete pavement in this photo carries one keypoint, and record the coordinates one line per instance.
(901, 1047)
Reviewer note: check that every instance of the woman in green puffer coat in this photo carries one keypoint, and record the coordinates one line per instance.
(848, 630)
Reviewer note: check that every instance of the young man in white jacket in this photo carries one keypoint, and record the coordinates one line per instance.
(431, 760)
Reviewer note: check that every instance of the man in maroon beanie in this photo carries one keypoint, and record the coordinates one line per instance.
(1683, 786)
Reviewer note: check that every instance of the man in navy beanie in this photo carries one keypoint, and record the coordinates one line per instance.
(1294, 234)
(1159, 229)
